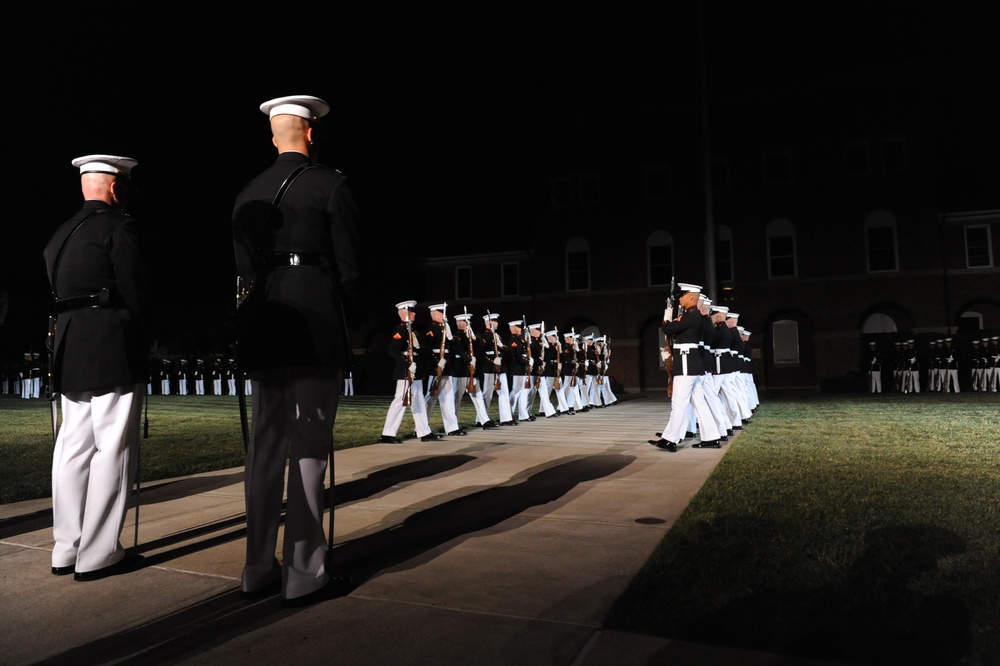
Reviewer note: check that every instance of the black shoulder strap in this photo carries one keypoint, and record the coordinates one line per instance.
(277, 202)
(62, 248)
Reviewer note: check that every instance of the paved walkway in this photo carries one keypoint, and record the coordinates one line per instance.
(506, 546)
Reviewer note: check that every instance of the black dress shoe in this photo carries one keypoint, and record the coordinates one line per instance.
(457, 433)
(338, 586)
(689, 434)
(723, 439)
(552, 416)
(737, 427)
(531, 418)
(63, 571)
(431, 437)
(389, 439)
(127, 564)
(507, 423)
(713, 444)
(664, 444)
(729, 433)
(270, 590)
(490, 424)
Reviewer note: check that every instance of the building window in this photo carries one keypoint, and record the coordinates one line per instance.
(590, 189)
(657, 182)
(978, 246)
(723, 255)
(509, 278)
(781, 249)
(856, 159)
(720, 175)
(893, 155)
(785, 342)
(777, 168)
(880, 236)
(463, 282)
(660, 258)
(562, 192)
(577, 265)
(878, 322)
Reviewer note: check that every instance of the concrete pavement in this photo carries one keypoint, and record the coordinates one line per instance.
(506, 546)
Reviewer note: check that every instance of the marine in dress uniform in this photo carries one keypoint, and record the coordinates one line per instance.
(463, 358)
(182, 377)
(296, 349)
(101, 350)
(545, 369)
(689, 366)
(567, 374)
(436, 340)
(493, 364)
(518, 370)
(409, 371)
(874, 368)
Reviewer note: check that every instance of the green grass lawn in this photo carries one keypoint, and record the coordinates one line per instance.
(844, 527)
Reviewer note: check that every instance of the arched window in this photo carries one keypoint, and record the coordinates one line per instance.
(880, 239)
(659, 258)
(781, 250)
(577, 265)
(879, 322)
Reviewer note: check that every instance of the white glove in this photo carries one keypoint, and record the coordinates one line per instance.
(668, 313)
(531, 362)
(665, 354)
(586, 364)
(412, 369)
(607, 364)
(442, 363)
(472, 362)
(497, 361)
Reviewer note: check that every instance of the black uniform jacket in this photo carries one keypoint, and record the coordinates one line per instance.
(100, 348)
(399, 350)
(687, 330)
(303, 320)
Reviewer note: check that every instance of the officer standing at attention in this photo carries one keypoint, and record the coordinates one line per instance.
(101, 352)
(310, 279)
(874, 369)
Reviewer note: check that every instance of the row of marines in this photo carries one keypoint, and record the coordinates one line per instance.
(712, 392)
(566, 372)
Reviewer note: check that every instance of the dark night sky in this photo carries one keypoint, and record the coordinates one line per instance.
(437, 118)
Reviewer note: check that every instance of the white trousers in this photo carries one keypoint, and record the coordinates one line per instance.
(519, 397)
(294, 412)
(874, 381)
(460, 388)
(687, 391)
(93, 466)
(446, 398)
(418, 409)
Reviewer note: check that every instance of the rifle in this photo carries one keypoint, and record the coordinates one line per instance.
(668, 355)
(444, 342)
(542, 345)
(470, 387)
(50, 393)
(496, 351)
(409, 359)
(527, 347)
(557, 384)
(576, 362)
(604, 364)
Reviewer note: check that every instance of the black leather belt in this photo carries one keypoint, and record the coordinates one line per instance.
(297, 259)
(103, 299)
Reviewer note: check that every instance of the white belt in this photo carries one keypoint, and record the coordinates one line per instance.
(686, 347)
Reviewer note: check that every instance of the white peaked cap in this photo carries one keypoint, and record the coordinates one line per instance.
(439, 306)
(113, 164)
(463, 317)
(552, 332)
(303, 106)
(488, 317)
(684, 286)
(406, 305)
(516, 322)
